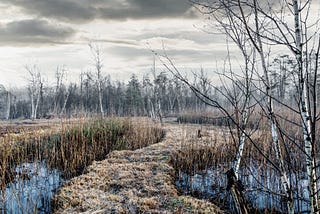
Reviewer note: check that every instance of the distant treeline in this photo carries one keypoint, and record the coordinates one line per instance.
(156, 96)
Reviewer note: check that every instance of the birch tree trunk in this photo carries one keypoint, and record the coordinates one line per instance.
(32, 104)
(152, 111)
(65, 102)
(257, 42)
(8, 105)
(309, 146)
(159, 110)
(236, 164)
(97, 57)
(35, 87)
(37, 104)
(100, 96)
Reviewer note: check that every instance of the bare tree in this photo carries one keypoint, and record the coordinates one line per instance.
(60, 76)
(257, 42)
(8, 109)
(34, 88)
(148, 96)
(98, 63)
(281, 69)
(159, 82)
(284, 24)
(295, 39)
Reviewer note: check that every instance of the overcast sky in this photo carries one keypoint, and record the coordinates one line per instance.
(52, 33)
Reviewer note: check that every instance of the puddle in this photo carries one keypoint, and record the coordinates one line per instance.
(32, 190)
(262, 188)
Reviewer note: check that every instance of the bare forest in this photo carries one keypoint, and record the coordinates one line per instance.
(241, 137)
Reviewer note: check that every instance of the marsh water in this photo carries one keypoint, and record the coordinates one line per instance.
(35, 185)
(262, 188)
(32, 190)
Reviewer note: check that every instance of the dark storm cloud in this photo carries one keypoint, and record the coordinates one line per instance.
(139, 9)
(33, 31)
(78, 11)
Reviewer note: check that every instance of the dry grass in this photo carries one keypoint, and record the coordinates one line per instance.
(76, 148)
(197, 155)
(203, 118)
(71, 146)
(139, 181)
(217, 146)
(20, 141)
(142, 181)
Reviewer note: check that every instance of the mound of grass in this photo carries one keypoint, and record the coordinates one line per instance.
(75, 145)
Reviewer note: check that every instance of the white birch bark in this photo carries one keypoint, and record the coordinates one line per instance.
(8, 105)
(96, 52)
(283, 175)
(65, 102)
(159, 111)
(32, 104)
(275, 139)
(100, 96)
(306, 122)
(37, 103)
(236, 164)
(34, 89)
(152, 111)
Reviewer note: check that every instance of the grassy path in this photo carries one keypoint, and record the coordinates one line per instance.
(139, 181)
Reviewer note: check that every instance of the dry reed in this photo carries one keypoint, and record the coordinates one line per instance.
(74, 146)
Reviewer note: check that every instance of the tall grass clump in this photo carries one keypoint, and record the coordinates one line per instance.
(211, 118)
(201, 167)
(75, 148)
(198, 158)
(75, 145)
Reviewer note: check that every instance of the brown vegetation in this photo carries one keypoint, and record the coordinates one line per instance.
(71, 146)
(132, 182)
